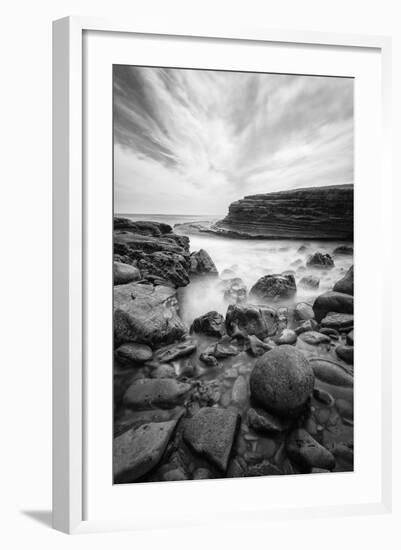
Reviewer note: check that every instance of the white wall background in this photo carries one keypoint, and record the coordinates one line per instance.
(25, 167)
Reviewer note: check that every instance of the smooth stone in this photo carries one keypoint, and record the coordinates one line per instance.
(346, 284)
(274, 287)
(174, 351)
(306, 326)
(304, 312)
(262, 421)
(332, 302)
(163, 371)
(345, 408)
(146, 392)
(323, 396)
(248, 320)
(338, 320)
(177, 474)
(330, 372)
(287, 336)
(134, 419)
(309, 281)
(210, 432)
(305, 451)
(314, 338)
(256, 347)
(346, 353)
(146, 314)
(282, 380)
(331, 332)
(125, 273)
(240, 391)
(135, 353)
(202, 473)
(138, 450)
(343, 250)
(211, 324)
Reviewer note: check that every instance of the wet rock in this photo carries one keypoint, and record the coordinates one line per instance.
(331, 332)
(274, 287)
(177, 474)
(323, 396)
(207, 393)
(307, 453)
(209, 360)
(314, 338)
(343, 250)
(147, 392)
(235, 291)
(338, 321)
(309, 281)
(264, 468)
(125, 273)
(331, 372)
(306, 326)
(161, 256)
(210, 324)
(133, 353)
(175, 351)
(319, 260)
(346, 284)
(346, 353)
(256, 347)
(345, 408)
(138, 450)
(134, 419)
(264, 422)
(211, 433)
(235, 469)
(332, 302)
(202, 264)
(319, 471)
(248, 319)
(163, 371)
(282, 381)
(145, 314)
(240, 391)
(287, 336)
(350, 338)
(304, 312)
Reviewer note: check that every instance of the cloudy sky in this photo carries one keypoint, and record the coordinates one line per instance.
(192, 141)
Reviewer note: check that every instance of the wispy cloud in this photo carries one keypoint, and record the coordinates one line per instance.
(191, 141)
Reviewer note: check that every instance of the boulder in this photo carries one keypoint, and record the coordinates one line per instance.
(138, 450)
(346, 353)
(332, 301)
(309, 281)
(125, 273)
(146, 314)
(346, 284)
(307, 453)
(133, 353)
(248, 319)
(147, 392)
(210, 432)
(210, 324)
(314, 338)
(338, 321)
(202, 264)
(282, 381)
(318, 260)
(304, 312)
(161, 256)
(274, 287)
(175, 351)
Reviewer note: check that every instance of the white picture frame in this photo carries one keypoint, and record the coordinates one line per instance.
(70, 261)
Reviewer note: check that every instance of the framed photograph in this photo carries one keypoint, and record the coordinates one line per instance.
(217, 198)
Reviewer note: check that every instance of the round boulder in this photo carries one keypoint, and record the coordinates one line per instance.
(274, 287)
(282, 381)
(320, 261)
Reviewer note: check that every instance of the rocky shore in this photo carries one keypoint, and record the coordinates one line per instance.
(308, 213)
(262, 388)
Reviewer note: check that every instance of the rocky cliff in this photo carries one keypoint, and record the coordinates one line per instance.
(308, 213)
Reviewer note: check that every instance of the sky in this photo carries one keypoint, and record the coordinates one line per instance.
(193, 141)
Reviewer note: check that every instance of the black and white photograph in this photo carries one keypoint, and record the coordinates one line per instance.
(233, 258)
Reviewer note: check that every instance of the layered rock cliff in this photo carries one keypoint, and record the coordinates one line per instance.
(308, 213)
